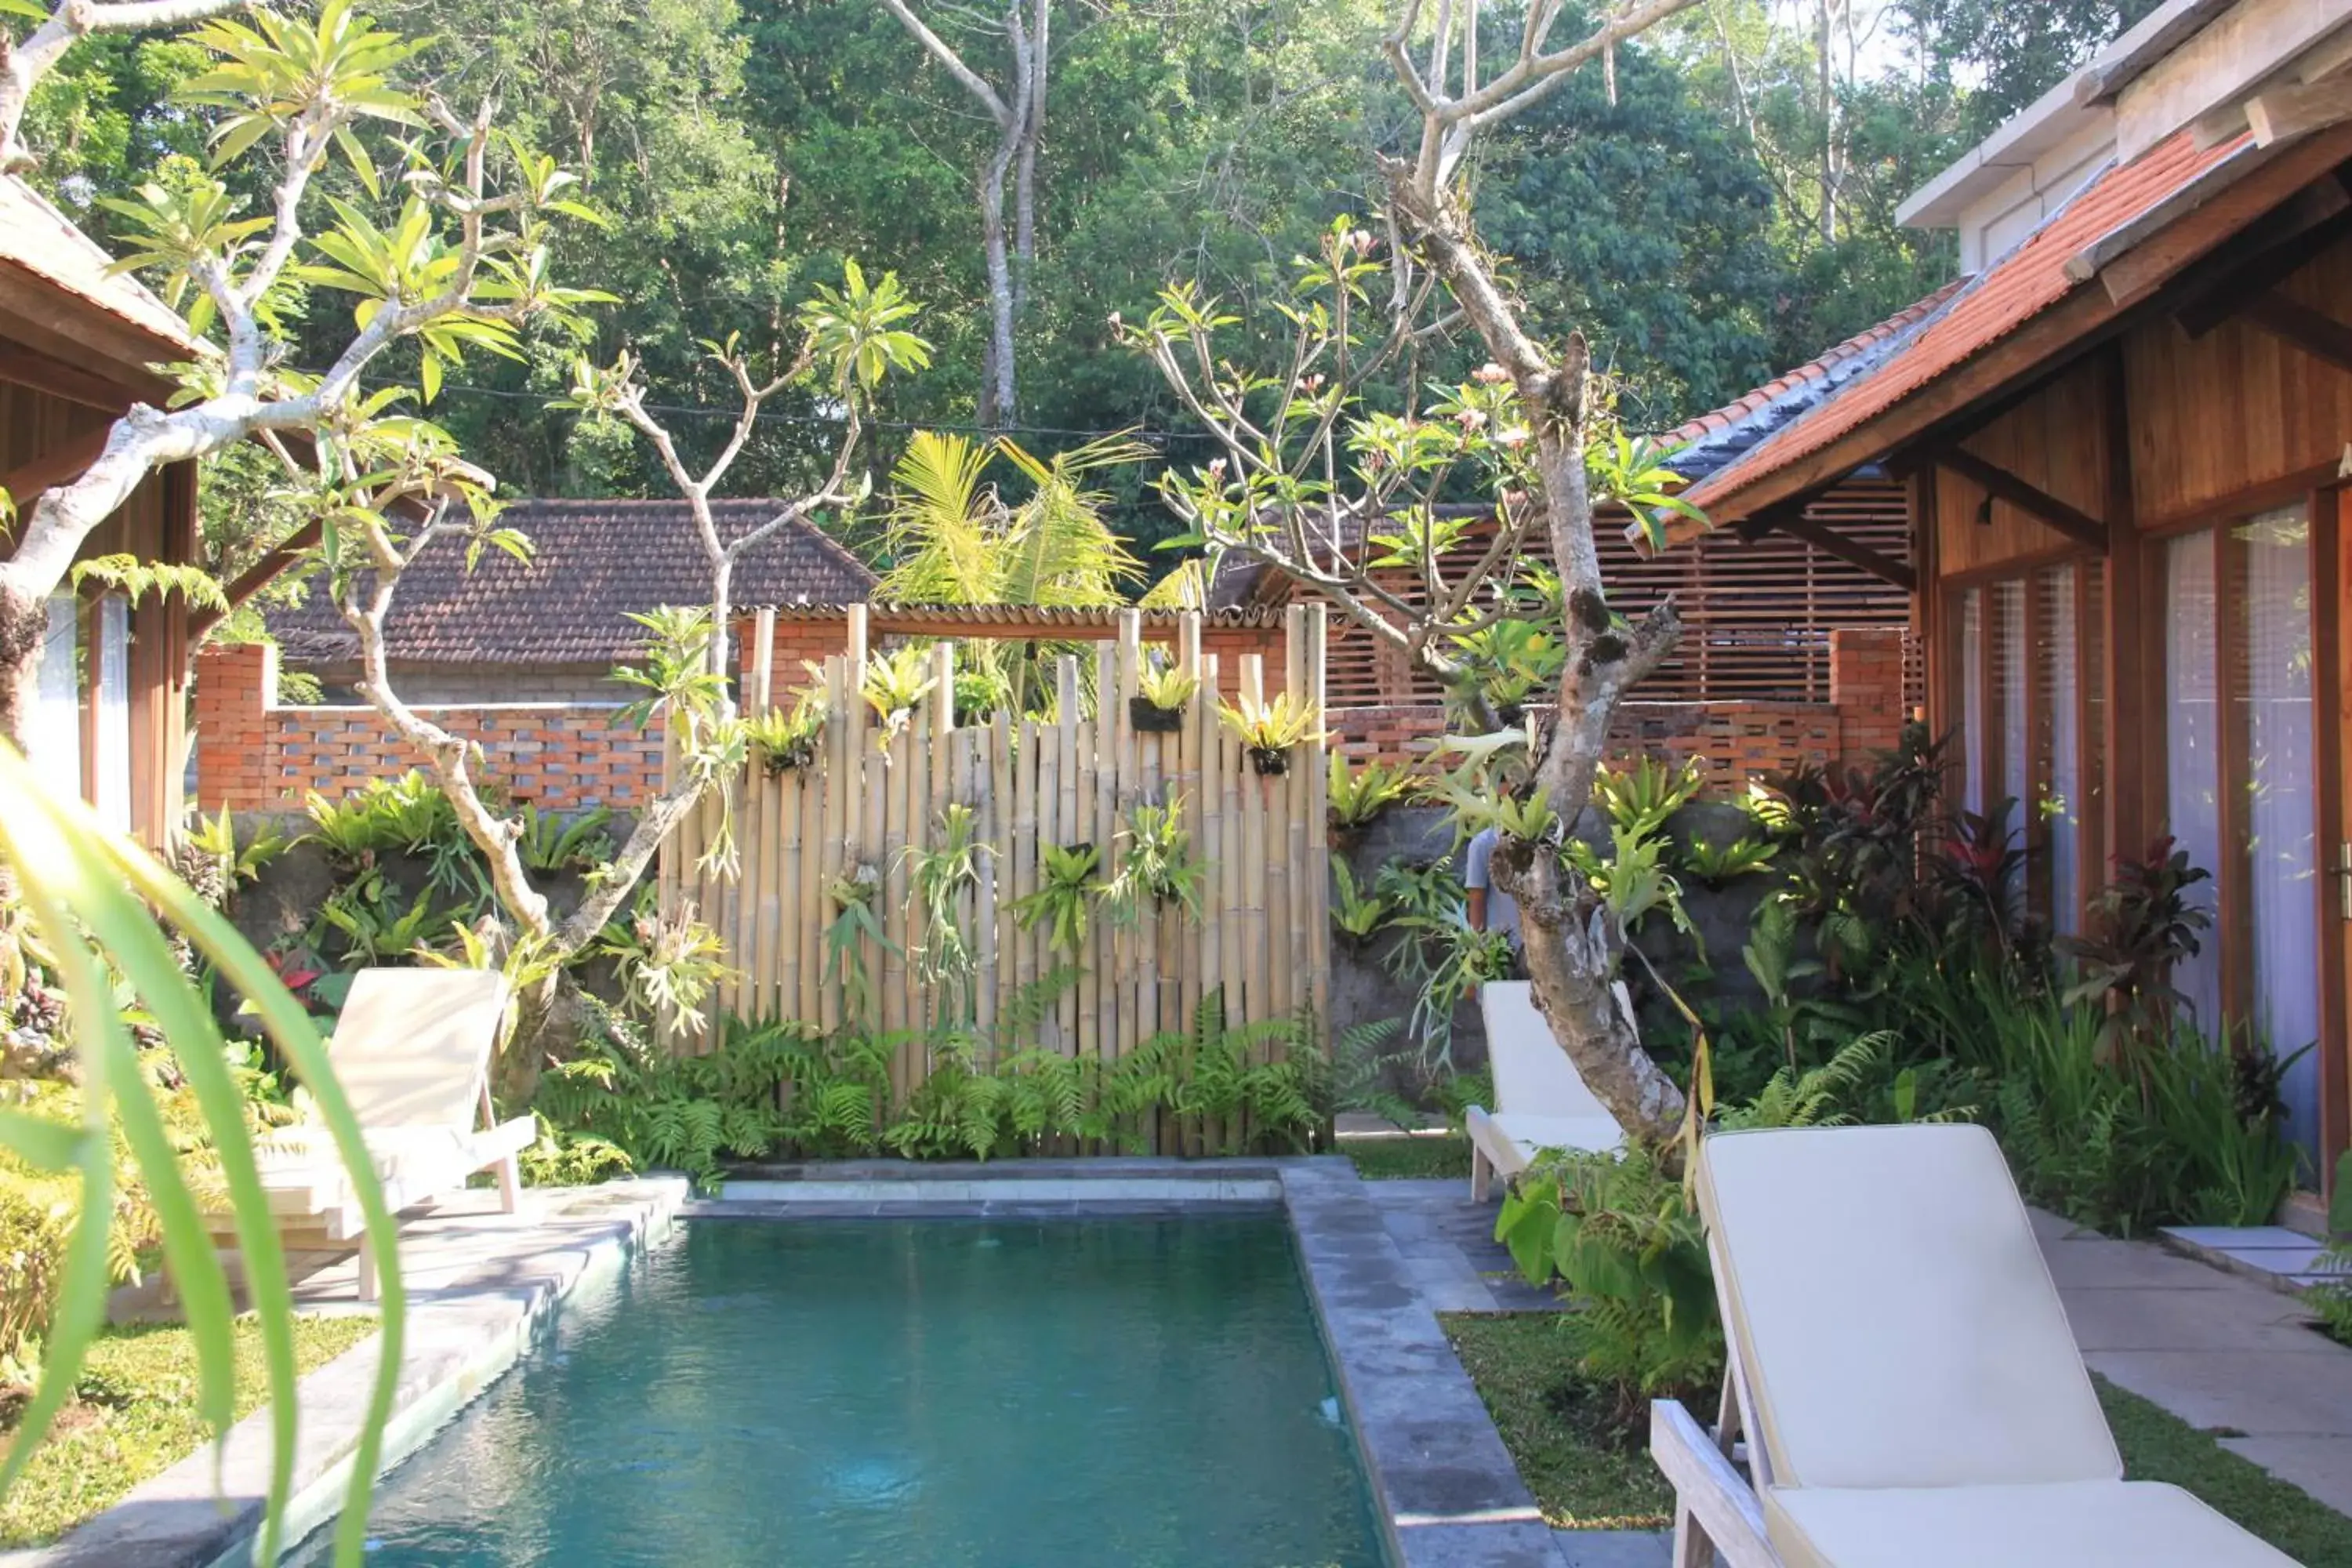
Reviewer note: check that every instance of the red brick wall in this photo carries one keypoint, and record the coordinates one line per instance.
(252, 753)
(1735, 741)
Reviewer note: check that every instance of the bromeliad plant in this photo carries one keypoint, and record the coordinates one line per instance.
(894, 685)
(853, 925)
(1269, 730)
(783, 740)
(1163, 693)
(548, 843)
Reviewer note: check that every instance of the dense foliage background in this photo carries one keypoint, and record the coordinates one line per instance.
(1725, 212)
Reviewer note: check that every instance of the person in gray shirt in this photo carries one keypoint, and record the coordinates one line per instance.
(1490, 908)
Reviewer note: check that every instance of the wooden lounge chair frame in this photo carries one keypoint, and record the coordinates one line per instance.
(1509, 1012)
(420, 1154)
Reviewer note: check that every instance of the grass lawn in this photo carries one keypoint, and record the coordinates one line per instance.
(1587, 1469)
(2158, 1446)
(135, 1417)
(1392, 1156)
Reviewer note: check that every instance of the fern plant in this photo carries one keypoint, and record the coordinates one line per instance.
(1358, 911)
(944, 874)
(1356, 797)
(1067, 888)
(1241, 1089)
(548, 842)
(669, 962)
(1156, 864)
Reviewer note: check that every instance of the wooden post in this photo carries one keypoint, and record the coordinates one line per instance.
(1071, 827)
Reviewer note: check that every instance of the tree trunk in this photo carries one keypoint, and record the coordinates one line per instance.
(996, 394)
(24, 628)
(1573, 948)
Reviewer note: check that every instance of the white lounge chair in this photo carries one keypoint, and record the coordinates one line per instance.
(1902, 1367)
(1540, 1101)
(411, 1049)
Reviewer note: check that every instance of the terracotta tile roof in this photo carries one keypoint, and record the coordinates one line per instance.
(2007, 295)
(1713, 438)
(596, 562)
(41, 240)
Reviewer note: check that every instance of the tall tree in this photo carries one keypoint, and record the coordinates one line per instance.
(1018, 112)
(27, 58)
(458, 263)
(1332, 493)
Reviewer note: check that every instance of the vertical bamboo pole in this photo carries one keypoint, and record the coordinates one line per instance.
(838, 759)
(1292, 982)
(1316, 913)
(1253, 785)
(942, 738)
(1026, 825)
(995, 784)
(1128, 751)
(1037, 938)
(1195, 940)
(1072, 828)
(901, 791)
(789, 809)
(1218, 817)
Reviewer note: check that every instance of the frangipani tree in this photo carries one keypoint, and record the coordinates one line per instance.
(443, 246)
(1341, 495)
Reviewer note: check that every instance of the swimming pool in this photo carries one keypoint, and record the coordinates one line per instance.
(904, 1393)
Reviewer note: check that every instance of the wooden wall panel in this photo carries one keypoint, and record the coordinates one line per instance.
(2055, 441)
(2217, 418)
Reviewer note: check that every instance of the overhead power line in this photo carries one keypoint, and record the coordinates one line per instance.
(780, 417)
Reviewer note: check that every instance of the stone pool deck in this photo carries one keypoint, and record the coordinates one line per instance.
(480, 1284)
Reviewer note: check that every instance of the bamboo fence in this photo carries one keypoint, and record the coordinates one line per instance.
(1264, 931)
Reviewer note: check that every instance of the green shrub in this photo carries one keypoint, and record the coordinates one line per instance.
(1617, 1232)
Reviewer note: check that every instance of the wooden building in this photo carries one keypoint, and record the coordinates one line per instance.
(2125, 440)
(77, 342)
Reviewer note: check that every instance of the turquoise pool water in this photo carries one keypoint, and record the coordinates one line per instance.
(929, 1393)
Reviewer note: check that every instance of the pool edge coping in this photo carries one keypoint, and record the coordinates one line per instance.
(460, 1340)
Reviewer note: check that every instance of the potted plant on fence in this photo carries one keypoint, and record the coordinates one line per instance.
(1269, 731)
(1161, 693)
(783, 740)
(1358, 797)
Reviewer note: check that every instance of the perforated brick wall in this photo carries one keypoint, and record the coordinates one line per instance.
(254, 753)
